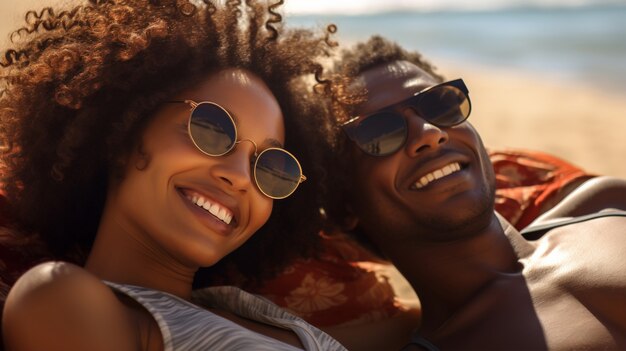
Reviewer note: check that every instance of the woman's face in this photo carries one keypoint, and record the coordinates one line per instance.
(160, 202)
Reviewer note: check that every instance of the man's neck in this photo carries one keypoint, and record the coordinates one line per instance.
(447, 275)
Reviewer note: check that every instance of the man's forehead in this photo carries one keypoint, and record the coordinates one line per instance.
(391, 82)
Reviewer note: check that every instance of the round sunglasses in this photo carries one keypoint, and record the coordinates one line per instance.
(277, 173)
(384, 132)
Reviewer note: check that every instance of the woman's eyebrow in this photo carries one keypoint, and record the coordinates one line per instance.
(273, 142)
(268, 141)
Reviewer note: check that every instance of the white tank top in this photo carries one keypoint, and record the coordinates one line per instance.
(190, 326)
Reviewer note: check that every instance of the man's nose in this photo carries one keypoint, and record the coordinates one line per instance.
(422, 135)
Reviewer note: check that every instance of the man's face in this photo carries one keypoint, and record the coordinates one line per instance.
(392, 195)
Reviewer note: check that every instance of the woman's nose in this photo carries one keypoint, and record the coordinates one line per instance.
(234, 168)
(423, 135)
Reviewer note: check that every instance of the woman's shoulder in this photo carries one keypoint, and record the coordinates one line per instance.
(66, 308)
(58, 285)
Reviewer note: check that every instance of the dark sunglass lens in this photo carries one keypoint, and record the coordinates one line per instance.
(381, 134)
(212, 129)
(444, 106)
(277, 173)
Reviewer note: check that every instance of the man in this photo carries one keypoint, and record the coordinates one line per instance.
(419, 187)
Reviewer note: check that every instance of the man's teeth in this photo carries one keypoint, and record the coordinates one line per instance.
(215, 209)
(442, 172)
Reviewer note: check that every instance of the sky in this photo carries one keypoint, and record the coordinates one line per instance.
(356, 7)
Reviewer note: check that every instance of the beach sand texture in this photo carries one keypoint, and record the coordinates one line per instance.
(581, 124)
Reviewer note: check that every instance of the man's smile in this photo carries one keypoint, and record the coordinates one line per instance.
(436, 174)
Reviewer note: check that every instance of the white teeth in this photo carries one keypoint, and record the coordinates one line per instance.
(222, 214)
(442, 172)
(198, 200)
(206, 205)
(228, 218)
(216, 210)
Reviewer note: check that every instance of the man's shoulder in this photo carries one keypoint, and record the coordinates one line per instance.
(607, 220)
(587, 249)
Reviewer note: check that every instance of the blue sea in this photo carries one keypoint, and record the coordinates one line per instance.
(582, 45)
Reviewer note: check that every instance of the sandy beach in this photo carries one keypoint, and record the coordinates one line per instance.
(578, 123)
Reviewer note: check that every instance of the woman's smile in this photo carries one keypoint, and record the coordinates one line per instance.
(209, 211)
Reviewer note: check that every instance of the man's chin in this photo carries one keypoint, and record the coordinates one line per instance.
(461, 224)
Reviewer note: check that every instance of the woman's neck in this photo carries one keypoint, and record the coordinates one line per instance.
(123, 255)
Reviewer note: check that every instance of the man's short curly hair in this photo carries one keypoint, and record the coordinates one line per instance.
(362, 57)
(78, 86)
(344, 101)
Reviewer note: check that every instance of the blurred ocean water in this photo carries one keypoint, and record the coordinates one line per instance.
(581, 45)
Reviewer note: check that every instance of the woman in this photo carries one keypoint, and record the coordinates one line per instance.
(152, 135)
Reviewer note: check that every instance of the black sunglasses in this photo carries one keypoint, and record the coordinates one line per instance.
(384, 132)
(277, 173)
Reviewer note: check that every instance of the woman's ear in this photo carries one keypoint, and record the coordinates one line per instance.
(118, 166)
(141, 157)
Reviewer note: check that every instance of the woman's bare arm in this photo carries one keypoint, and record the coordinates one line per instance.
(60, 306)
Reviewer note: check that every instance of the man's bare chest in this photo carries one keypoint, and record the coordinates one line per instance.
(513, 314)
(570, 294)
(576, 279)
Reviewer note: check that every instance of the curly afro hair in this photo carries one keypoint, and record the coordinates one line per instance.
(79, 84)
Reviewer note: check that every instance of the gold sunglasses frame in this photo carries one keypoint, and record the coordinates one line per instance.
(256, 155)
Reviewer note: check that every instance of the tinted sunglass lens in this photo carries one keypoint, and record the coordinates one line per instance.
(381, 134)
(444, 106)
(212, 129)
(277, 173)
